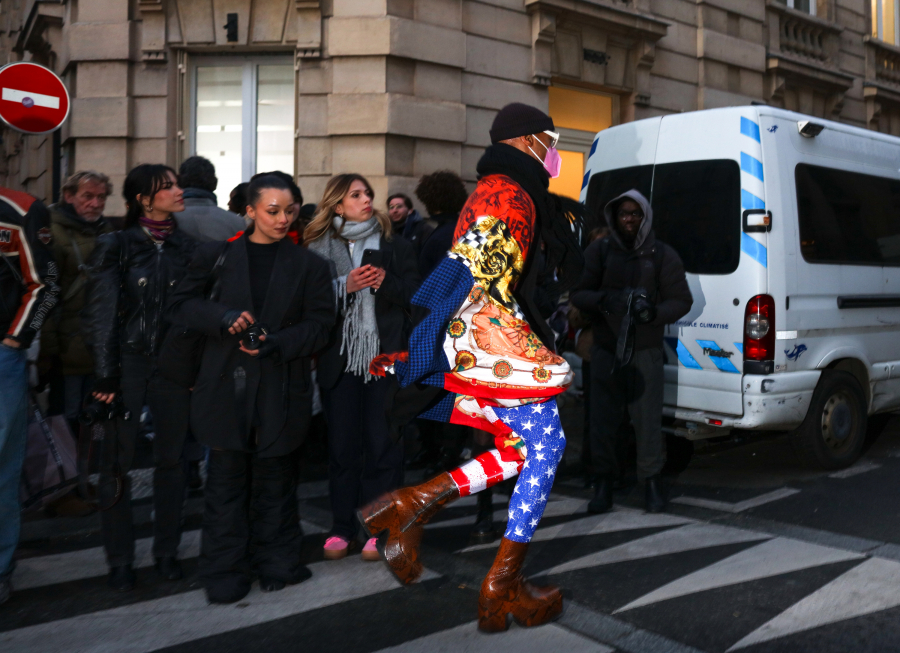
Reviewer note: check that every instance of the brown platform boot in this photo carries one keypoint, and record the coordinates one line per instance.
(505, 591)
(403, 514)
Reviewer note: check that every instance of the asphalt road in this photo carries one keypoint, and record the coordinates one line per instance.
(756, 554)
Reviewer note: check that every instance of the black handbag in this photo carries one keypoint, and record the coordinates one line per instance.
(182, 348)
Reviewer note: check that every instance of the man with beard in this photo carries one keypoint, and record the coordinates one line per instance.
(75, 223)
(480, 357)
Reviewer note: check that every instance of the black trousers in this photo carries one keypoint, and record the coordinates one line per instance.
(170, 406)
(638, 390)
(363, 461)
(250, 522)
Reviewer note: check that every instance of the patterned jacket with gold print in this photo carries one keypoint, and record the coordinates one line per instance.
(475, 342)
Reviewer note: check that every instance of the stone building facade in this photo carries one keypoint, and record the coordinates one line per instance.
(394, 89)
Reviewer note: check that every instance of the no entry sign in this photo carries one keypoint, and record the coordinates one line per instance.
(33, 100)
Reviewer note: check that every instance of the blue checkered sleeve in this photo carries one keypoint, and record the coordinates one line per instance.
(442, 293)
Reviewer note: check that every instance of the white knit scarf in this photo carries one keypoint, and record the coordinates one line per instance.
(360, 332)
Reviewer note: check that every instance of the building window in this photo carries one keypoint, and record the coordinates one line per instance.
(242, 117)
(886, 20)
(806, 6)
(578, 116)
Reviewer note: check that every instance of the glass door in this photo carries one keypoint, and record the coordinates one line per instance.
(242, 117)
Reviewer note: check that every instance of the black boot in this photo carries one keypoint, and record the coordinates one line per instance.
(195, 481)
(602, 501)
(121, 578)
(298, 575)
(655, 494)
(169, 568)
(483, 531)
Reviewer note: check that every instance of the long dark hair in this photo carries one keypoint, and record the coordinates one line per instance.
(146, 179)
(259, 183)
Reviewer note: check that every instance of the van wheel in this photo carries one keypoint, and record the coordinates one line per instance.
(833, 433)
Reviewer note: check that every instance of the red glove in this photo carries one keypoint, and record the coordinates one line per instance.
(382, 361)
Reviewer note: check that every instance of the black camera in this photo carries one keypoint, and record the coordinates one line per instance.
(100, 411)
(252, 338)
(642, 309)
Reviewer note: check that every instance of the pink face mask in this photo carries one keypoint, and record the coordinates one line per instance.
(552, 161)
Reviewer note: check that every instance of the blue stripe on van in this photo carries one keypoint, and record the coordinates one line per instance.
(750, 128)
(751, 166)
(684, 356)
(740, 347)
(751, 201)
(723, 364)
(587, 178)
(754, 250)
(597, 140)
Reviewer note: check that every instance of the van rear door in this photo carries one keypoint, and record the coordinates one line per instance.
(708, 171)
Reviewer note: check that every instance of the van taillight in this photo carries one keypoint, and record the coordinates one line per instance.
(759, 335)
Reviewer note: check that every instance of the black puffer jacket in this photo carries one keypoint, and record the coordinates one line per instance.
(649, 264)
(129, 282)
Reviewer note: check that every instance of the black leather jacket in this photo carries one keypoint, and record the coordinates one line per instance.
(130, 279)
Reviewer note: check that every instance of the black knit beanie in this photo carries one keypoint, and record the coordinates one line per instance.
(519, 119)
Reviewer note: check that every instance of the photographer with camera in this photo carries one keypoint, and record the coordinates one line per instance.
(252, 399)
(130, 276)
(374, 276)
(633, 285)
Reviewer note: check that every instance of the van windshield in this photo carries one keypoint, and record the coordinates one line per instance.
(696, 208)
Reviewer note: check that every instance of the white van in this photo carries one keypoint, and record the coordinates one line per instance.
(789, 229)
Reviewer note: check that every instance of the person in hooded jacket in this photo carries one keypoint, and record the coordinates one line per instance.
(626, 264)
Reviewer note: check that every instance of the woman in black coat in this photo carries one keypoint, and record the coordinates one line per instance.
(252, 402)
(374, 277)
(131, 274)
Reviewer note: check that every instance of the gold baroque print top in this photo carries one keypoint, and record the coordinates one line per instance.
(492, 350)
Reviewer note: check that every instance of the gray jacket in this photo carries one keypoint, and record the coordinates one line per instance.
(205, 221)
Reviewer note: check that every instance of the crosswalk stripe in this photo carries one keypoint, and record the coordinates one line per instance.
(677, 540)
(622, 519)
(778, 556)
(560, 508)
(151, 625)
(740, 506)
(521, 640)
(867, 588)
(89, 563)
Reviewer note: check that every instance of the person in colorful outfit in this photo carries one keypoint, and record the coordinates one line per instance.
(481, 350)
(28, 292)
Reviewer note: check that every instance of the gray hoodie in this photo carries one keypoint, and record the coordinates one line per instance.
(646, 225)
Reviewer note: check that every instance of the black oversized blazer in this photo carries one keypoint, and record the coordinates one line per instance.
(299, 308)
(392, 309)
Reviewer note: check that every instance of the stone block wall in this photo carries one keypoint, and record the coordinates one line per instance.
(394, 89)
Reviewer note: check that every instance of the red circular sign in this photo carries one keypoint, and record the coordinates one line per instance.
(33, 99)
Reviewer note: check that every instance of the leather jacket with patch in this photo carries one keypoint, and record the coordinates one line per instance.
(130, 279)
(28, 273)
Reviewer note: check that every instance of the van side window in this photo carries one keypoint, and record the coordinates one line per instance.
(607, 185)
(847, 217)
(697, 210)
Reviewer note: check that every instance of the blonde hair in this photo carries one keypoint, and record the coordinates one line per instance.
(335, 191)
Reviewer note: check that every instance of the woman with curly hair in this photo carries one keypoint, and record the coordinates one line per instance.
(444, 195)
